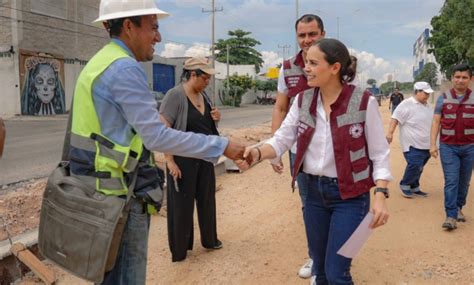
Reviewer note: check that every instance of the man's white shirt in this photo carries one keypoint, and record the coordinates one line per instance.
(415, 120)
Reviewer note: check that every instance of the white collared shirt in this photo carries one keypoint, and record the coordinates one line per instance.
(415, 124)
(319, 158)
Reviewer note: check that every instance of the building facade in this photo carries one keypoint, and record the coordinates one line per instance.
(421, 55)
(43, 47)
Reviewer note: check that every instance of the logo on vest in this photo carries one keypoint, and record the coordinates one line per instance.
(302, 127)
(356, 130)
(449, 106)
(293, 81)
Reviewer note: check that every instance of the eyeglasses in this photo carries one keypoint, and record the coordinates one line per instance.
(205, 77)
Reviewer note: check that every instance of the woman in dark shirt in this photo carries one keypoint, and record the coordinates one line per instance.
(186, 107)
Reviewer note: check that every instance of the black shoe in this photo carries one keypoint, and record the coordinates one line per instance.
(218, 245)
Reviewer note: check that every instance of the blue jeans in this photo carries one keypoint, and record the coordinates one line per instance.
(330, 221)
(130, 266)
(302, 187)
(457, 162)
(416, 160)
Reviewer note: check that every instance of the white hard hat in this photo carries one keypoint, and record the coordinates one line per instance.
(115, 9)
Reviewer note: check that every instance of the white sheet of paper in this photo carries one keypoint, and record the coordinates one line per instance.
(358, 238)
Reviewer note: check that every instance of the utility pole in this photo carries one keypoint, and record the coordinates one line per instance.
(284, 48)
(227, 61)
(297, 17)
(213, 52)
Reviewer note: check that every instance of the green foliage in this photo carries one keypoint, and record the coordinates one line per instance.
(242, 49)
(387, 87)
(238, 85)
(266, 86)
(453, 34)
(428, 74)
(371, 81)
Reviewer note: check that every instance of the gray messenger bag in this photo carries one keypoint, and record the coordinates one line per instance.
(80, 229)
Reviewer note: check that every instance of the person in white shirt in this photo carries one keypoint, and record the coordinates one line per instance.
(341, 150)
(414, 116)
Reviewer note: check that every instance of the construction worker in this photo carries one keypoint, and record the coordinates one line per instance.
(292, 80)
(453, 119)
(116, 126)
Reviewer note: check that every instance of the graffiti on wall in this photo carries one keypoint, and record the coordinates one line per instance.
(42, 88)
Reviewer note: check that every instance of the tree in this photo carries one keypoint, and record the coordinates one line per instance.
(387, 87)
(452, 37)
(429, 73)
(241, 50)
(371, 81)
(238, 85)
(266, 86)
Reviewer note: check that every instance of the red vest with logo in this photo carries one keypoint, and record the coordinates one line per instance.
(347, 120)
(457, 119)
(293, 72)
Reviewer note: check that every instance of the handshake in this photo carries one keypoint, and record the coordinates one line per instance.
(243, 156)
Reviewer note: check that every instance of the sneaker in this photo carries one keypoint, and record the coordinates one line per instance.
(461, 217)
(312, 281)
(305, 270)
(218, 245)
(407, 193)
(449, 224)
(419, 193)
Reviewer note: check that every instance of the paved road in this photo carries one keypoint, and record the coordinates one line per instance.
(34, 145)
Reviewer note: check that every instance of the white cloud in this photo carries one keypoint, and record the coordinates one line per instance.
(180, 50)
(270, 59)
(371, 66)
(173, 50)
(198, 50)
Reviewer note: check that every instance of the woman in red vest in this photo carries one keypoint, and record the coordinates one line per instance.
(342, 152)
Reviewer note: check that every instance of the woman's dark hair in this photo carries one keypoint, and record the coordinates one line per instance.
(335, 51)
(187, 74)
(114, 26)
(308, 18)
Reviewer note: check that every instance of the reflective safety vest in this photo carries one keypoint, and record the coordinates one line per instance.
(457, 119)
(347, 119)
(95, 159)
(295, 78)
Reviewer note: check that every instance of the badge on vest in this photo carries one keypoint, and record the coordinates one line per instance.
(302, 128)
(293, 81)
(449, 106)
(356, 130)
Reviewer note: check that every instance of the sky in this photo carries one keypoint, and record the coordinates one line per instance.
(380, 33)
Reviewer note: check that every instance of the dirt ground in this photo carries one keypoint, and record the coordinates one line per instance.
(260, 224)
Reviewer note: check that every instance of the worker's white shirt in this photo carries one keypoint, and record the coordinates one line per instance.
(415, 120)
(319, 158)
(282, 88)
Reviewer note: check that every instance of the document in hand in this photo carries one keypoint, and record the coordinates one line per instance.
(357, 239)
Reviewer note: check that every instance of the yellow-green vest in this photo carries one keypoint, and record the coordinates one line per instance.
(112, 161)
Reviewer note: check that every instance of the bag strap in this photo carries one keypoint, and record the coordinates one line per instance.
(67, 146)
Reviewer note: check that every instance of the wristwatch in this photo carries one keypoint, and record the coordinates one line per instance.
(384, 190)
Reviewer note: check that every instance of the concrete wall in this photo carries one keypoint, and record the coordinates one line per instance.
(10, 93)
(61, 28)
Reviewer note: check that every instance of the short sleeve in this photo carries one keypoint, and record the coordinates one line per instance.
(401, 112)
(439, 105)
(169, 106)
(282, 88)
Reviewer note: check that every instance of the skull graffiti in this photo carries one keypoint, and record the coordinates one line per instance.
(45, 83)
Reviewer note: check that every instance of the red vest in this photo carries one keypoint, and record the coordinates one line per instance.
(457, 119)
(293, 72)
(347, 119)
